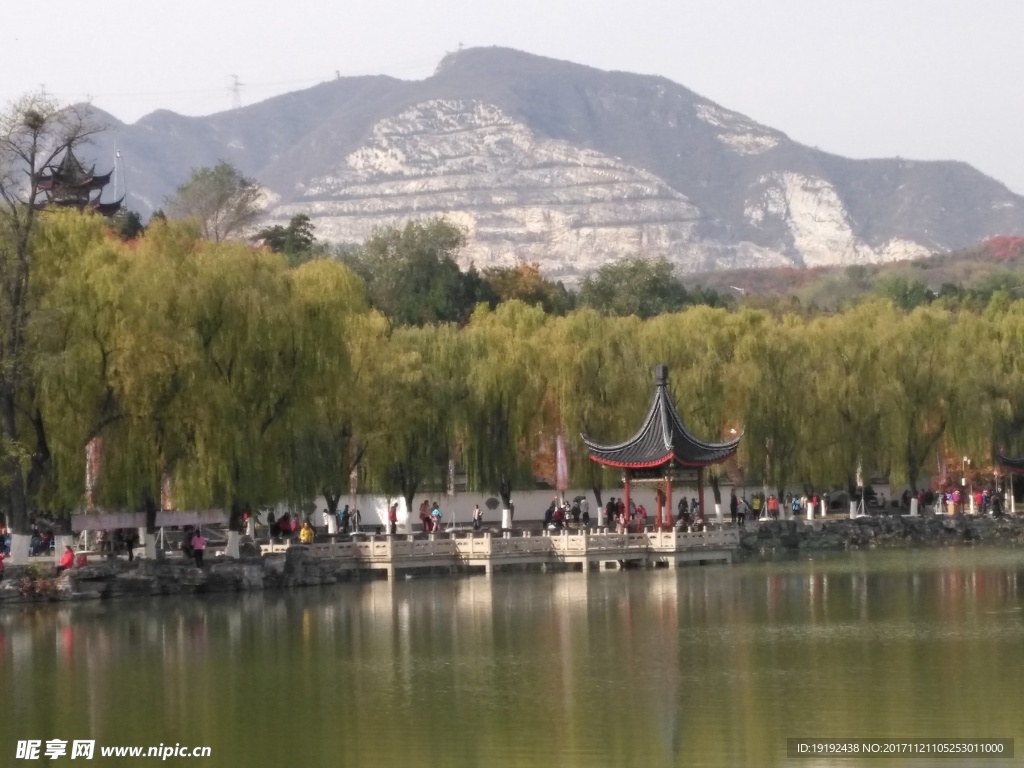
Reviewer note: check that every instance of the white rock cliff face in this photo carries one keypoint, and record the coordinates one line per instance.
(526, 198)
(818, 223)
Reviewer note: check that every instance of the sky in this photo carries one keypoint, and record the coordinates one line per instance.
(918, 79)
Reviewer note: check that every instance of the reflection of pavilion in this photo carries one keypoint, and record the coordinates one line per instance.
(663, 449)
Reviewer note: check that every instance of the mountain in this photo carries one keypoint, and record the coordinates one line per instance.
(568, 166)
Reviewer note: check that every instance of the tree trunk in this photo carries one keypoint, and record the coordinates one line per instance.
(911, 468)
(505, 492)
(333, 498)
(715, 489)
(597, 495)
(151, 508)
(409, 494)
(17, 513)
(235, 516)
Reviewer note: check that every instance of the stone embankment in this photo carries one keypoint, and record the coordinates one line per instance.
(297, 568)
(146, 578)
(882, 532)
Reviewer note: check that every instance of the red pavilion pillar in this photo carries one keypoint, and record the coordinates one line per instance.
(626, 498)
(700, 491)
(668, 502)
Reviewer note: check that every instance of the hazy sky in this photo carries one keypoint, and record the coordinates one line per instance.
(922, 79)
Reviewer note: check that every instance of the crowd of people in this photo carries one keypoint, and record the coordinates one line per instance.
(558, 516)
(430, 516)
(955, 499)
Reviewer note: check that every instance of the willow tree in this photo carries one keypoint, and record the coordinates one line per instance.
(75, 335)
(595, 369)
(506, 385)
(34, 133)
(919, 389)
(698, 346)
(1007, 322)
(843, 375)
(773, 395)
(255, 359)
(977, 400)
(153, 440)
(416, 404)
(332, 428)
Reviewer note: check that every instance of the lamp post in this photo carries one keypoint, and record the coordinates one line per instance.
(965, 464)
(997, 491)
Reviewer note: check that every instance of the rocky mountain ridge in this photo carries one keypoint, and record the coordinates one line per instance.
(571, 167)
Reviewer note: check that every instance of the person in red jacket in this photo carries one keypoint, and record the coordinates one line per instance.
(67, 559)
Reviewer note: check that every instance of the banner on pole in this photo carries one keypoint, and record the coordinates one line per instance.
(561, 464)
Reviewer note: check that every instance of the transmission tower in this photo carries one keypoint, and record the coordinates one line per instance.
(236, 92)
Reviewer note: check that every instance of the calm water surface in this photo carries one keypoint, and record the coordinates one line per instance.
(711, 666)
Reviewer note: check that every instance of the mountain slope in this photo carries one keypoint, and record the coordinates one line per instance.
(569, 166)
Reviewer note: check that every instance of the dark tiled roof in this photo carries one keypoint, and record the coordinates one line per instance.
(662, 440)
(1014, 465)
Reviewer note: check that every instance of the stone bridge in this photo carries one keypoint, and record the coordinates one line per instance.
(488, 551)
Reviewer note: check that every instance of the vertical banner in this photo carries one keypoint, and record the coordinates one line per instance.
(561, 465)
(93, 464)
(166, 493)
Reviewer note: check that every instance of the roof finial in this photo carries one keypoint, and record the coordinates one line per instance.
(661, 375)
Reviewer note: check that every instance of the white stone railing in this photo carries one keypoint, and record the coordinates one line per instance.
(486, 546)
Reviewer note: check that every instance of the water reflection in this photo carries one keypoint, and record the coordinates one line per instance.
(704, 666)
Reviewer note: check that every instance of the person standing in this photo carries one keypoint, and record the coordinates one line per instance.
(198, 547)
(393, 519)
(425, 516)
(478, 517)
(734, 507)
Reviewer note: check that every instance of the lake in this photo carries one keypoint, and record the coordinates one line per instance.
(705, 666)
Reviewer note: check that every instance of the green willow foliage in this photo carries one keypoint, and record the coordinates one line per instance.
(242, 380)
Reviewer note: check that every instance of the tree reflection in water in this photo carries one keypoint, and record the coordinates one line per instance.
(710, 666)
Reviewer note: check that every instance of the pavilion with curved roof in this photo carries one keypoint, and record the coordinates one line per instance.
(68, 184)
(663, 449)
